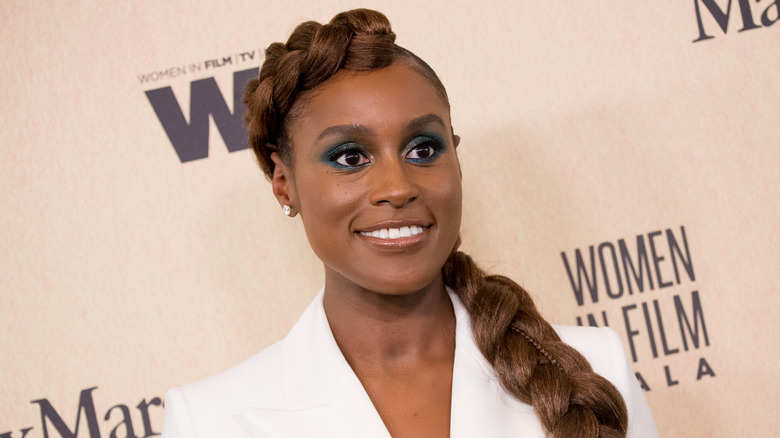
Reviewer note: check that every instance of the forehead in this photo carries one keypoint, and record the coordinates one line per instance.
(388, 98)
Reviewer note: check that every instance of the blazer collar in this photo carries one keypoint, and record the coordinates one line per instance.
(313, 363)
(325, 398)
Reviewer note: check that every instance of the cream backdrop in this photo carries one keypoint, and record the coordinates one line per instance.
(584, 124)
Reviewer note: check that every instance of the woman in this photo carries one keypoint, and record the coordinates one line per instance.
(408, 337)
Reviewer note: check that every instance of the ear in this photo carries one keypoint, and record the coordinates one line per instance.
(456, 142)
(455, 138)
(282, 184)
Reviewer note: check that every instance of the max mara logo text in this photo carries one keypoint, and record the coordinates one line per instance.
(723, 17)
(120, 416)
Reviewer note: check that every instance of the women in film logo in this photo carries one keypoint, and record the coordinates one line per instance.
(190, 139)
(655, 278)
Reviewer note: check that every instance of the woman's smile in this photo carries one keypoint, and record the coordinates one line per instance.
(395, 235)
(376, 179)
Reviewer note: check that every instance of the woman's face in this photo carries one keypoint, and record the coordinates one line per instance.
(376, 180)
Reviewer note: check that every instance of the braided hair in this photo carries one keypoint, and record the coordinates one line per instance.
(531, 361)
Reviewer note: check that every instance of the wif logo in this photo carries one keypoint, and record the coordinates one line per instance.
(191, 140)
(722, 17)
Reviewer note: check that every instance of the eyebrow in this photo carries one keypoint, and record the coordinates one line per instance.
(422, 121)
(346, 130)
(362, 130)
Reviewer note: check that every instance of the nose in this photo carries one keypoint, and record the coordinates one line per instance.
(391, 183)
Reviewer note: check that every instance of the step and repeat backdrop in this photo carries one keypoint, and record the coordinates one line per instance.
(621, 160)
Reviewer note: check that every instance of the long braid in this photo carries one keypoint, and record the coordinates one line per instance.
(531, 361)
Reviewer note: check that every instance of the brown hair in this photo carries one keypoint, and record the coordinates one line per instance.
(531, 361)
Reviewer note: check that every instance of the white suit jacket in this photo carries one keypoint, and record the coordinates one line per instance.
(303, 387)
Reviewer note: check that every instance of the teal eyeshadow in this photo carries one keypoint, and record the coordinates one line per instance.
(330, 154)
(434, 140)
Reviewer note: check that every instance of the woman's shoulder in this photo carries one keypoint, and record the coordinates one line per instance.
(209, 405)
(266, 380)
(603, 349)
(600, 345)
(261, 371)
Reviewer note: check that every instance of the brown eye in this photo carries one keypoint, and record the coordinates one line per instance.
(351, 159)
(421, 152)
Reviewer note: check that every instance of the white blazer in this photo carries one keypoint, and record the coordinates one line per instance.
(303, 387)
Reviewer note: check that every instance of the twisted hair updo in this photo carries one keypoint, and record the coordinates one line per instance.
(531, 361)
(357, 40)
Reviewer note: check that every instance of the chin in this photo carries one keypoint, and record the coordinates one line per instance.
(402, 286)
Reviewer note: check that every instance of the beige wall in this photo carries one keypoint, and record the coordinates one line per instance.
(582, 123)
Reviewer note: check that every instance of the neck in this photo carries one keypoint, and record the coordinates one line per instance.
(381, 331)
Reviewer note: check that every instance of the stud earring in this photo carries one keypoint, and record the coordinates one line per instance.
(287, 210)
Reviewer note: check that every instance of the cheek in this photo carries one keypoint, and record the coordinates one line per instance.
(454, 204)
(327, 209)
(446, 193)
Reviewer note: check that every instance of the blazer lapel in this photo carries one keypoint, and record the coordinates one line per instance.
(324, 397)
(480, 406)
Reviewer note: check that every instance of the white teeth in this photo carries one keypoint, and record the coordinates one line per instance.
(395, 233)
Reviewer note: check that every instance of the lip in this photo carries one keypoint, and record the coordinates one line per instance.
(398, 242)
